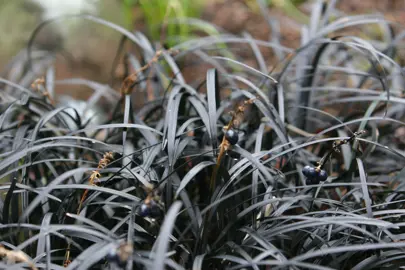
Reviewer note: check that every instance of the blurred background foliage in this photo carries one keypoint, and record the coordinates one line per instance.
(93, 47)
(18, 18)
(157, 14)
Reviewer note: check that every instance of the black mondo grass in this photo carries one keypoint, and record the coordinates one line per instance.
(297, 166)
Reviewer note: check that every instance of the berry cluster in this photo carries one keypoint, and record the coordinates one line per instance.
(314, 175)
(231, 136)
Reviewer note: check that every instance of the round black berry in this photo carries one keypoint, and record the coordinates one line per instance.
(322, 175)
(144, 210)
(154, 210)
(112, 256)
(150, 210)
(305, 170)
(310, 181)
(309, 172)
(231, 136)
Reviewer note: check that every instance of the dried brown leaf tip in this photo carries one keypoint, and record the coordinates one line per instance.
(130, 80)
(16, 256)
(39, 86)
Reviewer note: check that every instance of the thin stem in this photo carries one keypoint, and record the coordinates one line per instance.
(234, 122)
(107, 158)
(336, 145)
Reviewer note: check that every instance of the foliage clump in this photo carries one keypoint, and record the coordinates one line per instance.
(212, 173)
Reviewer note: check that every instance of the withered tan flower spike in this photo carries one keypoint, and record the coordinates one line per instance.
(235, 121)
(16, 256)
(126, 87)
(95, 175)
(39, 86)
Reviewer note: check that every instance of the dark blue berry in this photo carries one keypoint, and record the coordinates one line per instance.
(112, 256)
(313, 181)
(144, 210)
(309, 172)
(150, 210)
(154, 210)
(231, 136)
(309, 181)
(305, 170)
(322, 175)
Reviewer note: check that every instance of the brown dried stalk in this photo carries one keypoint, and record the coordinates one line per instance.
(234, 122)
(224, 146)
(95, 175)
(16, 256)
(335, 148)
(129, 81)
(39, 86)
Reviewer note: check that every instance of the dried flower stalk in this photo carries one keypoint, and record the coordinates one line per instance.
(39, 86)
(95, 175)
(16, 256)
(127, 84)
(224, 146)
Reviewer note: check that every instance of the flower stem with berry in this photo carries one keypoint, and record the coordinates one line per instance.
(317, 174)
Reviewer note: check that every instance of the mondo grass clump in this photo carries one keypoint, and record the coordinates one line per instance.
(294, 162)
